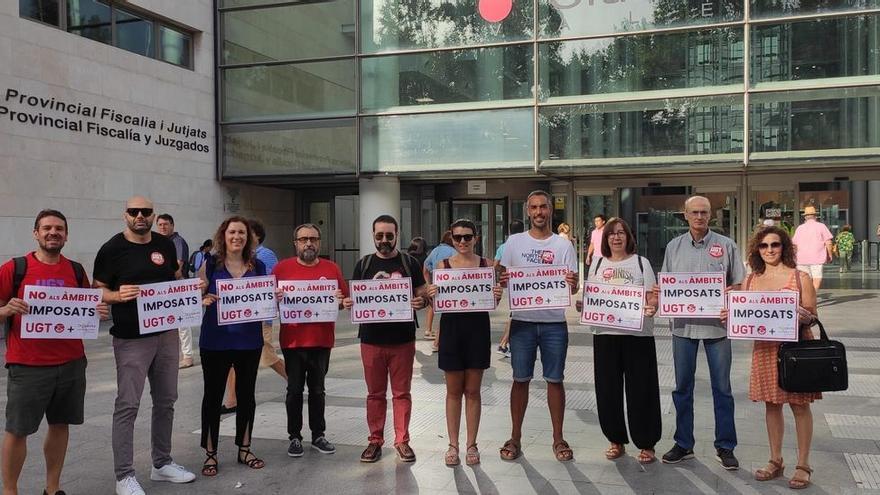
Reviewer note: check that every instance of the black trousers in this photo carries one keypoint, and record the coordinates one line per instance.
(627, 362)
(215, 369)
(306, 366)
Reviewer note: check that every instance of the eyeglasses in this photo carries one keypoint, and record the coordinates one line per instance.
(462, 237)
(617, 233)
(133, 212)
(774, 245)
(303, 240)
(388, 236)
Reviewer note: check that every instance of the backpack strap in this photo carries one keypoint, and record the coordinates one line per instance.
(596, 270)
(641, 266)
(364, 264)
(79, 273)
(18, 273)
(405, 261)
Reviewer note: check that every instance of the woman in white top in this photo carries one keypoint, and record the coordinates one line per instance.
(626, 360)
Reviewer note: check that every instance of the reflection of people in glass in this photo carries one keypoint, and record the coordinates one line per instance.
(771, 255)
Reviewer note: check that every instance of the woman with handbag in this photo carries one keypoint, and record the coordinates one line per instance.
(771, 255)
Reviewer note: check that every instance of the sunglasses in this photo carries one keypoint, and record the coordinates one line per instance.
(133, 212)
(303, 240)
(388, 236)
(774, 245)
(462, 237)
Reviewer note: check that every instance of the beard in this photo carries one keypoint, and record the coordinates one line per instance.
(139, 228)
(385, 247)
(308, 255)
(44, 245)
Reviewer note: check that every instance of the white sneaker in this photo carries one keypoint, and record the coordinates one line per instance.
(172, 472)
(129, 486)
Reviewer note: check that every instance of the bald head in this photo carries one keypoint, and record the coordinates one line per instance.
(697, 210)
(697, 201)
(138, 202)
(139, 215)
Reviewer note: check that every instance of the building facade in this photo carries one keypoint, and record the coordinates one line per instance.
(101, 100)
(621, 107)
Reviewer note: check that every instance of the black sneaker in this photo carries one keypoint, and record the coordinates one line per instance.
(727, 459)
(677, 454)
(323, 446)
(296, 448)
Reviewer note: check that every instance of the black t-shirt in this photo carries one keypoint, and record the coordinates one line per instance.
(397, 332)
(121, 262)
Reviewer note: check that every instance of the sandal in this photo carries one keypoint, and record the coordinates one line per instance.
(451, 458)
(249, 459)
(646, 456)
(562, 451)
(615, 451)
(797, 484)
(473, 455)
(429, 335)
(776, 470)
(210, 469)
(511, 450)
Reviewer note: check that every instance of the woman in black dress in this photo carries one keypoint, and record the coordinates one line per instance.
(464, 348)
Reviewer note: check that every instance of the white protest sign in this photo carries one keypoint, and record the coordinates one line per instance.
(169, 305)
(246, 299)
(538, 287)
(381, 301)
(614, 306)
(762, 315)
(691, 295)
(464, 289)
(60, 313)
(309, 301)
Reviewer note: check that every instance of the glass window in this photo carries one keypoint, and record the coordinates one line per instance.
(40, 10)
(461, 76)
(776, 8)
(562, 18)
(643, 63)
(786, 123)
(134, 33)
(307, 90)
(487, 140)
(246, 3)
(302, 30)
(292, 148)
(823, 48)
(90, 19)
(700, 128)
(400, 24)
(176, 47)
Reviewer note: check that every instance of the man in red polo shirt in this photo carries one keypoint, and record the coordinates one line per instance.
(46, 377)
(306, 346)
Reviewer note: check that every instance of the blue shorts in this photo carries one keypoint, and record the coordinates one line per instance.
(526, 338)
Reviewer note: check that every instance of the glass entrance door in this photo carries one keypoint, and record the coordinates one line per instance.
(587, 206)
(490, 217)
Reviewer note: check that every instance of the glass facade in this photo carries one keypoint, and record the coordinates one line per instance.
(408, 86)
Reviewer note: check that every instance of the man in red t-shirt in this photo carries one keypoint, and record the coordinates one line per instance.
(306, 346)
(46, 377)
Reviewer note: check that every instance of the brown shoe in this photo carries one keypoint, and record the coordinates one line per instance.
(372, 453)
(405, 452)
(185, 363)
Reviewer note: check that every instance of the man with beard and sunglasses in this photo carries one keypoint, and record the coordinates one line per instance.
(388, 349)
(129, 259)
(46, 377)
(306, 346)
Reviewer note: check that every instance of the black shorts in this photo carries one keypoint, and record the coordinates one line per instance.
(465, 343)
(57, 392)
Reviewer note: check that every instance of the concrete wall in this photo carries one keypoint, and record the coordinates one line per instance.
(88, 176)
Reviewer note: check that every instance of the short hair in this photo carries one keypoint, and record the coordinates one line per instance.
(540, 192)
(306, 226)
(465, 224)
(447, 238)
(606, 233)
(603, 217)
(756, 262)
(257, 228)
(166, 216)
(49, 213)
(385, 219)
(688, 201)
(517, 227)
(208, 243)
(846, 228)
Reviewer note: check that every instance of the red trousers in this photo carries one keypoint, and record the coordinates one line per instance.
(380, 363)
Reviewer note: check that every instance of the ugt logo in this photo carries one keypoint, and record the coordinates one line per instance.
(494, 10)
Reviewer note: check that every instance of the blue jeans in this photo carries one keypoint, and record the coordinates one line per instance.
(718, 356)
(526, 338)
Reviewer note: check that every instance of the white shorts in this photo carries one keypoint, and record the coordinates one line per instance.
(815, 271)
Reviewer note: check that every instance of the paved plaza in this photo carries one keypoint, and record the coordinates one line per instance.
(845, 455)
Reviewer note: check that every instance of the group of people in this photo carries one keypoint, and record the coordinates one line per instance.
(47, 377)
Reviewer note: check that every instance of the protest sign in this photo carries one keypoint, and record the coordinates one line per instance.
(762, 315)
(614, 306)
(381, 301)
(60, 313)
(464, 289)
(246, 299)
(169, 305)
(691, 295)
(538, 287)
(308, 301)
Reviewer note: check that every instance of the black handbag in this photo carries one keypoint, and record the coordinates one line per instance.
(812, 365)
